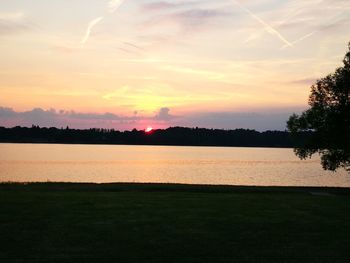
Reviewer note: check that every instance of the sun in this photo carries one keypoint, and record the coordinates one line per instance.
(148, 129)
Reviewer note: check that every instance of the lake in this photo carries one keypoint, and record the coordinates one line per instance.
(162, 164)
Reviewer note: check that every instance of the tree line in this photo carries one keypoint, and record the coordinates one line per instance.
(169, 136)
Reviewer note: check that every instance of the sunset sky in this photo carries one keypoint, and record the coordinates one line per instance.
(139, 63)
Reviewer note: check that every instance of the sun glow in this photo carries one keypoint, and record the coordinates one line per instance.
(148, 129)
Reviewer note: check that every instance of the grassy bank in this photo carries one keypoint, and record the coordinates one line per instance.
(172, 223)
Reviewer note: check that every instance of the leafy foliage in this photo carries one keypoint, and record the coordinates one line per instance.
(328, 118)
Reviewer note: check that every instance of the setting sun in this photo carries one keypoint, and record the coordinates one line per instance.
(149, 129)
(207, 130)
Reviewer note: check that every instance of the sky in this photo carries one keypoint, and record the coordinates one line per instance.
(195, 63)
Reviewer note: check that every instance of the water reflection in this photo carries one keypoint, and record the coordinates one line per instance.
(166, 164)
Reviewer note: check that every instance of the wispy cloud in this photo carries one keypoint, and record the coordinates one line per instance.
(113, 5)
(11, 23)
(167, 6)
(133, 45)
(12, 17)
(211, 75)
(186, 21)
(131, 48)
(334, 24)
(91, 25)
(305, 81)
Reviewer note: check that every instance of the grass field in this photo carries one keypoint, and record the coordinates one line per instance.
(53, 222)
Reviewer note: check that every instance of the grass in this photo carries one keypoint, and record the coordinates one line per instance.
(54, 222)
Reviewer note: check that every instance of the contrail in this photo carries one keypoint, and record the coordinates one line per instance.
(267, 27)
(113, 5)
(281, 23)
(300, 39)
(312, 33)
(91, 25)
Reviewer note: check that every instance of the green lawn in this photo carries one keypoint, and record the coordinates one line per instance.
(172, 223)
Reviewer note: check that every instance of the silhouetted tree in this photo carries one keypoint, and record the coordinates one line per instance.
(328, 118)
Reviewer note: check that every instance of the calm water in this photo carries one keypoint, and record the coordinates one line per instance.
(166, 164)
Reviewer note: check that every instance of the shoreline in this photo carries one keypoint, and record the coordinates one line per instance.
(164, 145)
(170, 187)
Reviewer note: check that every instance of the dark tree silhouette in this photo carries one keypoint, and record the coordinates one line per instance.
(170, 136)
(328, 118)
